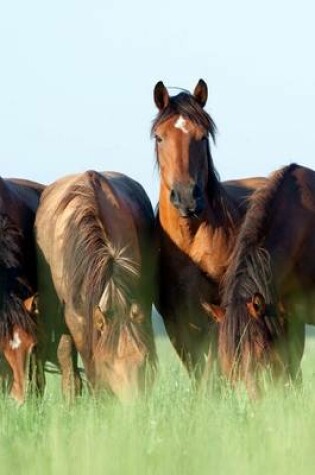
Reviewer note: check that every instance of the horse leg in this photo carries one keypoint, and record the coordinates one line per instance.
(296, 339)
(36, 374)
(178, 344)
(211, 370)
(5, 373)
(71, 381)
(35, 364)
(195, 355)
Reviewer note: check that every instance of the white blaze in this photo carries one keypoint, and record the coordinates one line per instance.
(15, 343)
(181, 124)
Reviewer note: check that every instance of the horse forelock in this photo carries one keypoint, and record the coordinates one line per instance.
(186, 105)
(120, 288)
(121, 277)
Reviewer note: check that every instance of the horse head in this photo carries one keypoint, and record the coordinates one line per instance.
(124, 354)
(181, 131)
(251, 346)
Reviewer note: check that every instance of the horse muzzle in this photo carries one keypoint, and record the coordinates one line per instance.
(188, 200)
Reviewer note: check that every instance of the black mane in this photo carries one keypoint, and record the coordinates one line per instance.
(14, 285)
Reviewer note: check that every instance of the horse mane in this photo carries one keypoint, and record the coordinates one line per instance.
(250, 270)
(94, 265)
(13, 282)
(224, 210)
(186, 105)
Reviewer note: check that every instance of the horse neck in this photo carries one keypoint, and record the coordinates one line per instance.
(209, 240)
(117, 219)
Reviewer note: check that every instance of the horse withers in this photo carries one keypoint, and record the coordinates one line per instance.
(197, 224)
(268, 292)
(18, 284)
(96, 264)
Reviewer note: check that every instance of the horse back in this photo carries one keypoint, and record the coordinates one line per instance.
(290, 240)
(240, 190)
(134, 197)
(19, 199)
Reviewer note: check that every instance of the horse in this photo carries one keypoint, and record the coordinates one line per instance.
(268, 292)
(197, 223)
(94, 235)
(18, 285)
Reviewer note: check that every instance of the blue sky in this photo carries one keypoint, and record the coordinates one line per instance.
(77, 79)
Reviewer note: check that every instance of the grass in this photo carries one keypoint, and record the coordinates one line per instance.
(175, 431)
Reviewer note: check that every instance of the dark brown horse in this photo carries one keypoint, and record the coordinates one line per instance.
(18, 203)
(94, 234)
(269, 288)
(198, 221)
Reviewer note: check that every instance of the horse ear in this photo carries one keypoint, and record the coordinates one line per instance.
(161, 97)
(31, 304)
(201, 92)
(215, 312)
(257, 306)
(99, 320)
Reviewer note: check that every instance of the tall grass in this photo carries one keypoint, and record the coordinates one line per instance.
(174, 431)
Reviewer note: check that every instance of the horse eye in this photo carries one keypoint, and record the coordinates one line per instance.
(158, 139)
(204, 138)
(134, 310)
(259, 306)
(136, 315)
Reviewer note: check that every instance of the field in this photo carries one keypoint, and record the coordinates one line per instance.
(175, 431)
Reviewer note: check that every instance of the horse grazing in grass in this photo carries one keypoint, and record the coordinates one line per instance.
(96, 264)
(269, 288)
(198, 221)
(18, 337)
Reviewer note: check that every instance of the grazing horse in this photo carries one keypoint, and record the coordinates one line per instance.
(18, 203)
(96, 265)
(268, 292)
(197, 223)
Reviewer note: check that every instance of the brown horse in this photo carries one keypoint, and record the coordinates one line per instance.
(198, 221)
(18, 203)
(269, 288)
(94, 234)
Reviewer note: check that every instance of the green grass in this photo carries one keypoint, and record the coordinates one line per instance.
(175, 431)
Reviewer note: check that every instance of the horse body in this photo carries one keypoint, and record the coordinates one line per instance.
(269, 289)
(93, 233)
(197, 223)
(18, 203)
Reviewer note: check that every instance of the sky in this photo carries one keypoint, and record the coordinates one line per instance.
(77, 79)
